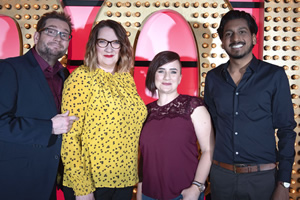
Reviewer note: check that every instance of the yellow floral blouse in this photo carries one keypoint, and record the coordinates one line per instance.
(101, 149)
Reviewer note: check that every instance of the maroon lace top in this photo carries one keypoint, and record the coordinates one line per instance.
(169, 151)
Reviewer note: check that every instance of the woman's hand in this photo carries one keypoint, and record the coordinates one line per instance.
(191, 193)
(86, 197)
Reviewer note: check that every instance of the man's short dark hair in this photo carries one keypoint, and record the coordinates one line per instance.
(237, 14)
(54, 15)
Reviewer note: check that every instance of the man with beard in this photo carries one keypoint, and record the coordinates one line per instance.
(30, 123)
(248, 100)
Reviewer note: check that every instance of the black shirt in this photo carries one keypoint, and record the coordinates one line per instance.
(246, 116)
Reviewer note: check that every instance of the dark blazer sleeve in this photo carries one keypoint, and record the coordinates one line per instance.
(25, 116)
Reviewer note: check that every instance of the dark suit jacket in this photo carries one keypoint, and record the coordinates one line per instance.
(29, 153)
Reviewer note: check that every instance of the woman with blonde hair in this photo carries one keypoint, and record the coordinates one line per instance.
(100, 152)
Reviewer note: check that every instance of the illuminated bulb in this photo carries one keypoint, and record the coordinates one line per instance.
(287, 19)
(177, 4)
(267, 57)
(138, 4)
(214, 25)
(213, 65)
(26, 46)
(285, 67)
(295, 106)
(127, 24)
(109, 13)
(294, 87)
(277, 1)
(277, 19)
(196, 15)
(127, 4)
(267, 28)
(205, 5)
(137, 14)
(296, 48)
(17, 16)
(204, 74)
(268, 9)
(296, 29)
(119, 4)
(128, 33)
(287, 28)
(287, 1)
(186, 5)
(36, 6)
(27, 16)
(202, 93)
(286, 48)
(109, 4)
(214, 5)
(276, 48)
(213, 55)
(34, 26)
(137, 24)
(196, 25)
(204, 45)
(128, 14)
(214, 35)
(268, 18)
(213, 45)
(277, 28)
(205, 35)
(205, 65)
(295, 67)
(296, 10)
(157, 4)
(286, 57)
(196, 5)
(55, 7)
(45, 6)
(28, 36)
(205, 15)
(287, 9)
(18, 6)
(204, 55)
(118, 14)
(295, 38)
(167, 4)
(294, 96)
(27, 6)
(147, 4)
(295, 58)
(276, 57)
(276, 38)
(286, 38)
(205, 25)
(278, 9)
(202, 84)
(267, 47)
(36, 17)
(297, 19)
(295, 76)
(267, 37)
(215, 15)
(7, 6)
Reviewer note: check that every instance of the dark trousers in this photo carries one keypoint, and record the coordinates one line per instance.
(103, 193)
(226, 184)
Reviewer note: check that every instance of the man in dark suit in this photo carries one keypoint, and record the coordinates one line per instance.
(30, 123)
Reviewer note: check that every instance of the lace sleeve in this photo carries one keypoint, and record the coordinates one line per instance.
(195, 102)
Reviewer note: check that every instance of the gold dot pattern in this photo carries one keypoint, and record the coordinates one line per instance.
(101, 149)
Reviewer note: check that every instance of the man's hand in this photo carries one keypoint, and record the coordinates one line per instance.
(86, 197)
(280, 193)
(62, 123)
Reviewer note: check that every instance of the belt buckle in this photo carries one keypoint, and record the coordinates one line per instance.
(238, 165)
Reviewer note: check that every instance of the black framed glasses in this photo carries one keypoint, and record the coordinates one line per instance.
(53, 33)
(115, 44)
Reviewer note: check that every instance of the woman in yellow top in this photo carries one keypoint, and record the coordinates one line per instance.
(100, 152)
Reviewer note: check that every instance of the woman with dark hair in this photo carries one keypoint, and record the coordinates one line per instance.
(169, 164)
(100, 152)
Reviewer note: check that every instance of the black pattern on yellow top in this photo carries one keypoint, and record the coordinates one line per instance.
(101, 149)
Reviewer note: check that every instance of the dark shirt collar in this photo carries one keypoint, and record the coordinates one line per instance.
(44, 65)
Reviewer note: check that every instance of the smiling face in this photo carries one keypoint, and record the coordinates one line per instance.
(237, 39)
(168, 77)
(107, 56)
(52, 48)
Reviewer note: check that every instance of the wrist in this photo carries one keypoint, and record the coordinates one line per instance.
(284, 184)
(200, 186)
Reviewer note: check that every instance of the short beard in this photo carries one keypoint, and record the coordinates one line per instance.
(48, 55)
(242, 55)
